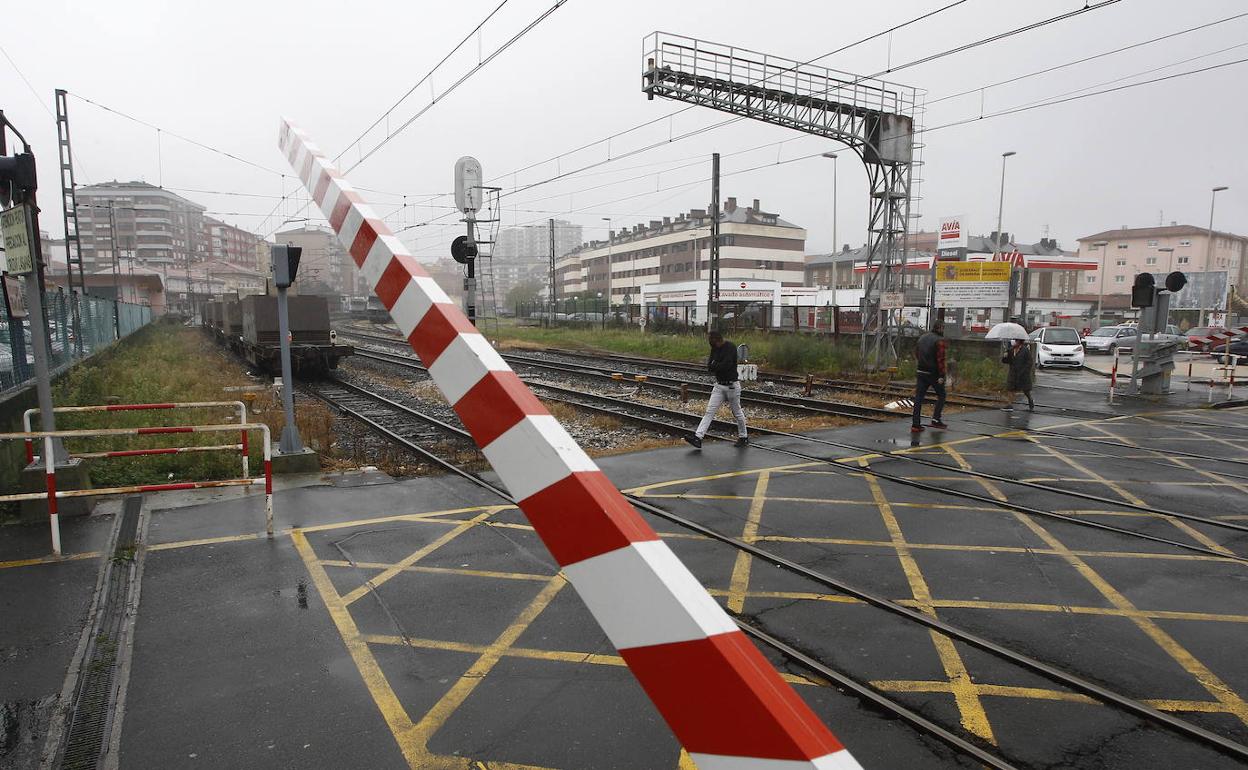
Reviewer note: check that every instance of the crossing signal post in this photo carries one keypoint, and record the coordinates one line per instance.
(20, 224)
(1152, 360)
(285, 266)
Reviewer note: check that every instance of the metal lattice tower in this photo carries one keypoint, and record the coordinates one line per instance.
(485, 235)
(874, 118)
(69, 206)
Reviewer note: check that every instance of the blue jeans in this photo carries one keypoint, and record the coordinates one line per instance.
(922, 383)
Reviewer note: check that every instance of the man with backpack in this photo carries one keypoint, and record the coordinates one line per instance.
(929, 375)
(722, 364)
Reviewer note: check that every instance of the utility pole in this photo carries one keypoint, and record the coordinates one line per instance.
(712, 295)
(18, 185)
(835, 243)
(112, 235)
(285, 266)
(1208, 254)
(610, 267)
(551, 223)
(1100, 283)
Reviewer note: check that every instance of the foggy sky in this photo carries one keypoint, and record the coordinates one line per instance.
(224, 73)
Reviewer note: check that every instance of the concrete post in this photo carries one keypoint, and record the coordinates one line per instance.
(290, 442)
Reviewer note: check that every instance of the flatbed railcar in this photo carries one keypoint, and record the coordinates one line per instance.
(249, 327)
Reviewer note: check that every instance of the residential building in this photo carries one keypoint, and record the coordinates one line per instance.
(523, 254)
(235, 279)
(227, 243)
(1131, 250)
(753, 245)
(325, 268)
(155, 226)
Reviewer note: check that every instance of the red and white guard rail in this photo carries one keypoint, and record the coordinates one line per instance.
(52, 494)
(725, 703)
(242, 446)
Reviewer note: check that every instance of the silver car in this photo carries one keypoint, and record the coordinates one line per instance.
(1108, 339)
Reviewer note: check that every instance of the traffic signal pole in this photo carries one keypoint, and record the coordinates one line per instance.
(285, 265)
(18, 185)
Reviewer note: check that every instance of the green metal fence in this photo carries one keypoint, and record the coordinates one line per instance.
(100, 323)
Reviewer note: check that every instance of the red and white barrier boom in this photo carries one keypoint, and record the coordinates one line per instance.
(723, 700)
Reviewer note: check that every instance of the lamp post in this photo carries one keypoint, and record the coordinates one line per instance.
(996, 242)
(1213, 196)
(610, 240)
(1100, 282)
(835, 243)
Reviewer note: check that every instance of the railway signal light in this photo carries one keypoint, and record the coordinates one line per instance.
(463, 250)
(1175, 282)
(1142, 290)
(285, 265)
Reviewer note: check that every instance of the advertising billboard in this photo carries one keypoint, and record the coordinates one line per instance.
(1204, 291)
(972, 284)
(952, 233)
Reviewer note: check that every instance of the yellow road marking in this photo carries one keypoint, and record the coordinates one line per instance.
(740, 580)
(438, 570)
(973, 716)
(387, 574)
(48, 560)
(463, 687)
(378, 687)
(1207, 679)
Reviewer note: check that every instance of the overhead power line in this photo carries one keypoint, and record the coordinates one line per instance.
(423, 80)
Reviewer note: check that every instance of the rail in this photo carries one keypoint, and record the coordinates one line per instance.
(242, 446)
(52, 494)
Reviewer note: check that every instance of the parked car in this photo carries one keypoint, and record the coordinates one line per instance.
(1196, 336)
(1057, 346)
(1108, 339)
(1171, 334)
(1238, 347)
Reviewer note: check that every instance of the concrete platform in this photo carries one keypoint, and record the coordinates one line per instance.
(422, 624)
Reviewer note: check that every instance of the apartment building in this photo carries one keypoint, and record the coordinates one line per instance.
(523, 254)
(324, 267)
(227, 243)
(753, 245)
(1130, 250)
(154, 226)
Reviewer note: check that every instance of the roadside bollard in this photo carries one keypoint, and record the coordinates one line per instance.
(1189, 375)
(1113, 377)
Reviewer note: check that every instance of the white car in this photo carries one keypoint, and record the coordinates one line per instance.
(1058, 346)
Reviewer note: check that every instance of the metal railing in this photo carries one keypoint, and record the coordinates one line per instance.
(52, 494)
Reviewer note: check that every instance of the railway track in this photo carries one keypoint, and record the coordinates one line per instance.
(362, 404)
(675, 422)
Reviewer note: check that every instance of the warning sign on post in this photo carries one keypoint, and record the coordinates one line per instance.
(16, 241)
(972, 284)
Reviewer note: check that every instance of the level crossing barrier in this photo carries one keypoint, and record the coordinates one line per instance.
(242, 446)
(52, 494)
(723, 700)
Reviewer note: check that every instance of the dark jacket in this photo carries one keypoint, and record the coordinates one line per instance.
(930, 352)
(723, 363)
(1020, 375)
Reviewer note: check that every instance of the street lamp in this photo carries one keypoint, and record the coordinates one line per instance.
(610, 240)
(835, 243)
(1208, 251)
(996, 244)
(1100, 287)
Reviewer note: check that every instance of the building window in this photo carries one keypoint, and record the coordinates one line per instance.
(1122, 245)
(1185, 242)
(1183, 260)
(1119, 278)
(1091, 279)
(1150, 261)
(1152, 242)
(1120, 262)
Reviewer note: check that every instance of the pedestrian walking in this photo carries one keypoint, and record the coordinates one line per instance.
(1019, 376)
(722, 364)
(929, 374)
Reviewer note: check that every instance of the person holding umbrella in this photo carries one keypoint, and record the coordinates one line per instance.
(1018, 359)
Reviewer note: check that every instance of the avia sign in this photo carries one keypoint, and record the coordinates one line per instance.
(952, 233)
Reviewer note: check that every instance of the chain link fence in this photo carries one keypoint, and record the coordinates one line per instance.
(100, 323)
